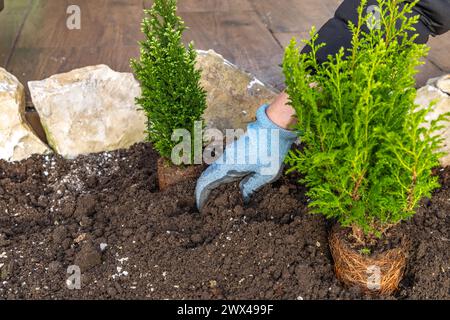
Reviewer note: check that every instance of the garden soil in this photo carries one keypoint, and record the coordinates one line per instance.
(104, 213)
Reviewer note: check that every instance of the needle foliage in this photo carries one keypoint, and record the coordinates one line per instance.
(172, 96)
(367, 158)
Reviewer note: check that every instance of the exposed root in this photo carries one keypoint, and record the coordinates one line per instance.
(379, 274)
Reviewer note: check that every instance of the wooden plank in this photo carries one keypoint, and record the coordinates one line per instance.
(12, 18)
(294, 15)
(44, 62)
(284, 38)
(111, 28)
(214, 5)
(109, 33)
(208, 5)
(104, 23)
(241, 38)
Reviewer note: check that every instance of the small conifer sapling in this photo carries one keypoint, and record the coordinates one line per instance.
(367, 159)
(172, 96)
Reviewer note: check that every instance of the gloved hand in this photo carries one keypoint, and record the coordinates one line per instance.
(256, 157)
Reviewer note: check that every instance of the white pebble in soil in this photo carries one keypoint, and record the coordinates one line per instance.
(120, 273)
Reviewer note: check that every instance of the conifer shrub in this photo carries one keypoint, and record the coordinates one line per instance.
(367, 158)
(172, 96)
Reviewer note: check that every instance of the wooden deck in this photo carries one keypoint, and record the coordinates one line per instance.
(35, 42)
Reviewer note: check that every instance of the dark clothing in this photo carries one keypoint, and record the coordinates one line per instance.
(434, 20)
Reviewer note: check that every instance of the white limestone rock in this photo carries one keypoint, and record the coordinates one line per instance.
(434, 91)
(89, 110)
(233, 94)
(17, 139)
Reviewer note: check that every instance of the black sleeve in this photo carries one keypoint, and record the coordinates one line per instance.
(434, 19)
(434, 14)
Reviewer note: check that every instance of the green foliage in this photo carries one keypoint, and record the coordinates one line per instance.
(171, 95)
(367, 159)
(365, 251)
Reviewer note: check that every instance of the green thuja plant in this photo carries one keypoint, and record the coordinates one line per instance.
(367, 158)
(172, 96)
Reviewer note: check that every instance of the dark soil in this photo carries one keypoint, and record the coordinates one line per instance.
(55, 213)
(170, 175)
(371, 245)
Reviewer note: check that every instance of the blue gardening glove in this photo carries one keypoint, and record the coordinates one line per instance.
(256, 157)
